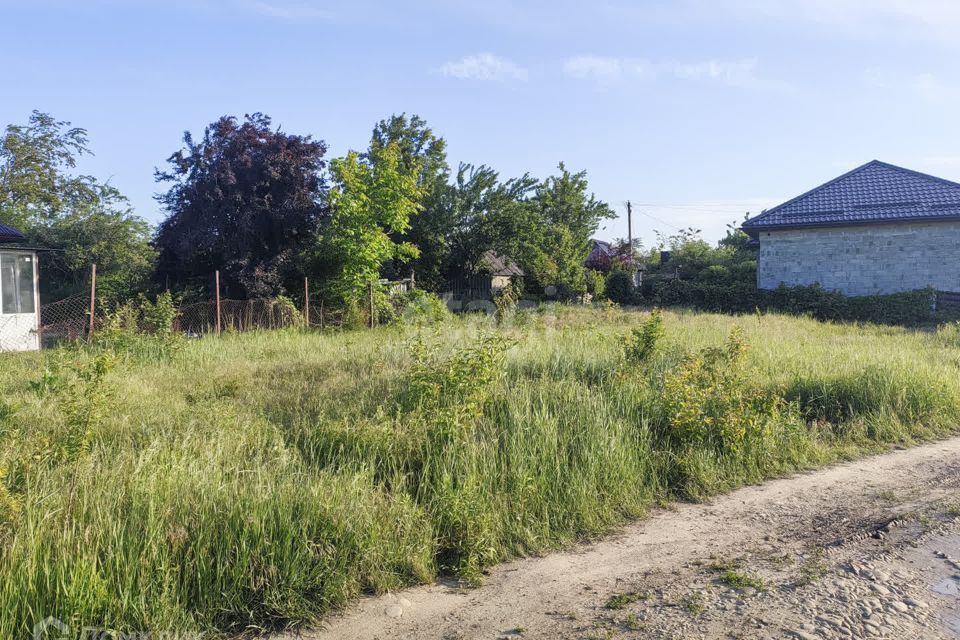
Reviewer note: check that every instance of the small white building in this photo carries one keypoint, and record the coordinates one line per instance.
(19, 293)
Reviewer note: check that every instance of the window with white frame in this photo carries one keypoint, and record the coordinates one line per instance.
(16, 283)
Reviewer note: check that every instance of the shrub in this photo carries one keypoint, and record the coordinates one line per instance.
(711, 400)
(505, 301)
(906, 308)
(289, 314)
(420, 307)
(596, 283)
(643, 342)
(715, 273)
(620, 288)
(159, 315)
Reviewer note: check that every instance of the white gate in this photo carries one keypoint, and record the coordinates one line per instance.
(19, 297)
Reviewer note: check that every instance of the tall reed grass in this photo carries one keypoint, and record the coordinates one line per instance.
(258, 481)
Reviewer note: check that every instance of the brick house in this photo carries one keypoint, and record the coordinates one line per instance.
(877, 229)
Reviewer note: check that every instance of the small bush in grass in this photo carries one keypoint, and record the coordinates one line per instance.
(159, 315)
(596, 284)
(419, 307)
(620, 288)
(711, 399)
(448, 397)
(642, 343)
(505, 301)
(949, 333)
(290, 315)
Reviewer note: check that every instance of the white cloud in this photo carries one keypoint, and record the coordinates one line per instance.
(483, 66)
(607, 70)
(602, 68)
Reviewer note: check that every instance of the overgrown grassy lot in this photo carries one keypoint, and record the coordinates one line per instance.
(255, 481)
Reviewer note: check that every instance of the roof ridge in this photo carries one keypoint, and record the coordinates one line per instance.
(751, 222)
(889, 174)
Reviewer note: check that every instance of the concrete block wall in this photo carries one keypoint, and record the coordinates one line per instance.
(863, 259)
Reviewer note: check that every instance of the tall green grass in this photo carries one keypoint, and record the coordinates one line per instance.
(261, 480)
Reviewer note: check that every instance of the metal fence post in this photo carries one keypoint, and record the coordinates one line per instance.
(373, 310)
(306, 301)
(93, 296)
(217, 278)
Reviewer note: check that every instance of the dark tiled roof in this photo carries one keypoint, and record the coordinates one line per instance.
(497, 265)
(875, 192)
(9, 234)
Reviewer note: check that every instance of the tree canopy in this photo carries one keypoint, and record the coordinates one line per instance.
(263, 207)
(422, 152)
(245, 200)
(372, 197)
(79, 218)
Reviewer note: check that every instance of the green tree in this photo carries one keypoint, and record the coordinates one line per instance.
(492, 215)
(372, 197)
(80, 218)
(35, 160)
(545, 227)
(246, 200)
(432, 230)
(109, 235)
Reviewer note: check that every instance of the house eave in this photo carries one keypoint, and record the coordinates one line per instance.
(13, 246)
(754, 230)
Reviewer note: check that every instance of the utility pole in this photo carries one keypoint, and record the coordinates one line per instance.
(630, 231)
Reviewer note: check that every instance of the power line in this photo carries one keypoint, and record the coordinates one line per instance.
(690, 205)
(653, 217)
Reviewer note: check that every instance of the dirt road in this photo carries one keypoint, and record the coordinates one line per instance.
(861, 550)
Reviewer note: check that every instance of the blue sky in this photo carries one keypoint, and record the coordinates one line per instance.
(696, 110)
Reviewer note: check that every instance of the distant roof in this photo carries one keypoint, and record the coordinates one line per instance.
(9, 234)
(600, 255)
(498, 265)
(876, 192)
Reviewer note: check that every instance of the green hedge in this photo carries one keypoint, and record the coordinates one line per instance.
(906, 308)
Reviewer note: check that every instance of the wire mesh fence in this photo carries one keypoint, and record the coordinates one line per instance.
(237, 315)
(67, 319)
(74, 318)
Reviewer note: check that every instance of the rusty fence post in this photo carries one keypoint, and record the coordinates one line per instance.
(93, 297)
(217, 279)
(306, 301)
(373, 310)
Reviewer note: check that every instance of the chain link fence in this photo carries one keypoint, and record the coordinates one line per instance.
(67, 319)
(70, 318)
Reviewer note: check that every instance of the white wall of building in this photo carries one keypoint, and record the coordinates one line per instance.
(19, 306)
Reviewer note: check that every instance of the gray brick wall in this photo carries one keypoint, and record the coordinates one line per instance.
(863, 259)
